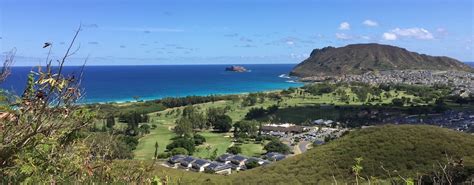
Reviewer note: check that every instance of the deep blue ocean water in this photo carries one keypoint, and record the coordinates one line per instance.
(122, 83)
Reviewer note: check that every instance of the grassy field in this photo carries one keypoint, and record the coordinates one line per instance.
(294, 109)
(213, 141)
(146, 146)
(252, 149)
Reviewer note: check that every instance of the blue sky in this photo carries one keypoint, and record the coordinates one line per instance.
(142, 32)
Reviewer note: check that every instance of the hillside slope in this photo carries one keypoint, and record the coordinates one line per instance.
(408, 149)
(361, 58)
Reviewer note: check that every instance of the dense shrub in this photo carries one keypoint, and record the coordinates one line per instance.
(223, 123)
(183, 142)
(199, 139)
(179, 151)
(191, 100)
(164, 155)
(252, 164)
(234, 150)
(277, 146)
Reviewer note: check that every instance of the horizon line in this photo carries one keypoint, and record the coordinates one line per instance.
(102, 65)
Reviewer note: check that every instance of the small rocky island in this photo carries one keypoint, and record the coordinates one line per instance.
(236, 69)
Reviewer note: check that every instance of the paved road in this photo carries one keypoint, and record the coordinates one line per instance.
(303, 146)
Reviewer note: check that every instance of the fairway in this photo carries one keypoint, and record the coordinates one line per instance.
(252, 149)
(295, 108)
(146, 146)
(213, 141)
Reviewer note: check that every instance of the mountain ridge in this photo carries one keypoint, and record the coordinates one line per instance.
(361, 58)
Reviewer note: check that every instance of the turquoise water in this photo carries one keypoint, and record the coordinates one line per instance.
(122, 83)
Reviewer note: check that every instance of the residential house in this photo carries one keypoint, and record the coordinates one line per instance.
(260, 162)
(219, 168)
(274, 156)
(175, 160)
(187, 162)
(239, 162)
(225, 158)
(199, 165)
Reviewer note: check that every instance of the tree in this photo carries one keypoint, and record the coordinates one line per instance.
(179, 151)
(188, 111)
(250, 100)
(145, 129)
(199, 139)
(272, 109)
(255, 113)
(277, 146)
(252, 164)
(234, 150)
(213, 114)
(398, 102)
(182, 142)
(319, 89)
(156, 150)
(223, 123)
(245, 128)
(361, 92)
(110, 121)
(184, 127)
(197, 119)
(214, 154)
(440, 105)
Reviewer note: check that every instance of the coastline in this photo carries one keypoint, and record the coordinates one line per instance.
(151, 99)
(121, 84)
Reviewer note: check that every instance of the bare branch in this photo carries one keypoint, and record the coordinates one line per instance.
(9, 58)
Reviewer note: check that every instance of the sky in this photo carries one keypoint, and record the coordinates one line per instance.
(146, 32)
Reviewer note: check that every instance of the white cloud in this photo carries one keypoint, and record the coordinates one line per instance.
(441, 30)
(365, 37)
(371, 23)
(343, 36)
(144, 29)
(344, 26)
(298, 56)
(290, 43)
(389, 36)
(417, 33)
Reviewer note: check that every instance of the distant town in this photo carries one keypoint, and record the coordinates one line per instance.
(463, 82)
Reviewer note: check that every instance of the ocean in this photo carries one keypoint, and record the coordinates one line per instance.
(121, 83)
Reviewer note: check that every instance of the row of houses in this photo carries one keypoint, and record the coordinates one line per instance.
(224, 164)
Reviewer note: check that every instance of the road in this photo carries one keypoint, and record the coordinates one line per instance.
(304, 146)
